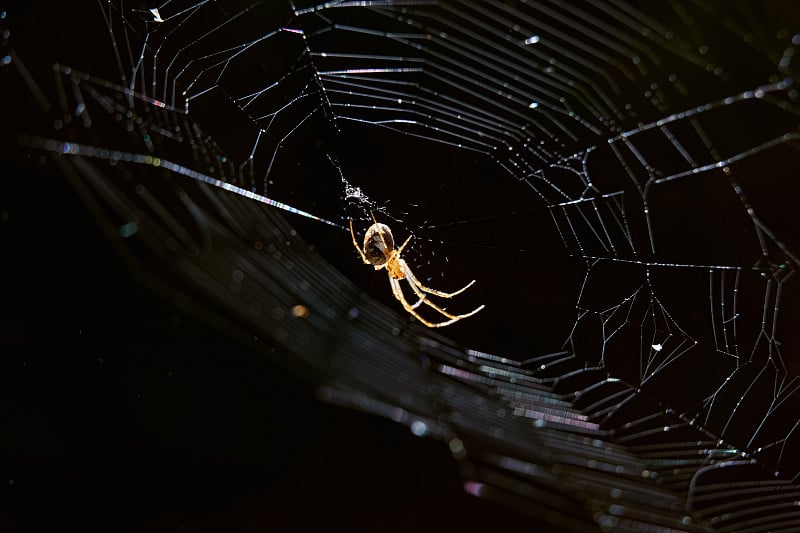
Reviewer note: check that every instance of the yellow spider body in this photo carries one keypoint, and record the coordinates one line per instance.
(379, 251)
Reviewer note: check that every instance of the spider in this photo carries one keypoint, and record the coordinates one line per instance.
(379, 252)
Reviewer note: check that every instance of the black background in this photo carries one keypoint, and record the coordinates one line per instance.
(120, 412)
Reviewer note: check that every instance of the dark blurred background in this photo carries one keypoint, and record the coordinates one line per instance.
(121, 411)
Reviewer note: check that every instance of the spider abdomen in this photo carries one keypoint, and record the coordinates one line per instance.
(378, 244)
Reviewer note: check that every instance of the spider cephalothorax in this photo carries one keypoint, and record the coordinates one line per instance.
(379, 251)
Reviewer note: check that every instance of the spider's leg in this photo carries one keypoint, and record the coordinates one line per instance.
(418, 302)
(427, 302)
(398, 293)
(360, 251)
(432, 305)
(395, 283)
(404, 245)
(413, 279)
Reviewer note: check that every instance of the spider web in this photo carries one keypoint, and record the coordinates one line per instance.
(619, 179)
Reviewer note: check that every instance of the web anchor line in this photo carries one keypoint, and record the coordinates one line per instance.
(60, 147)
